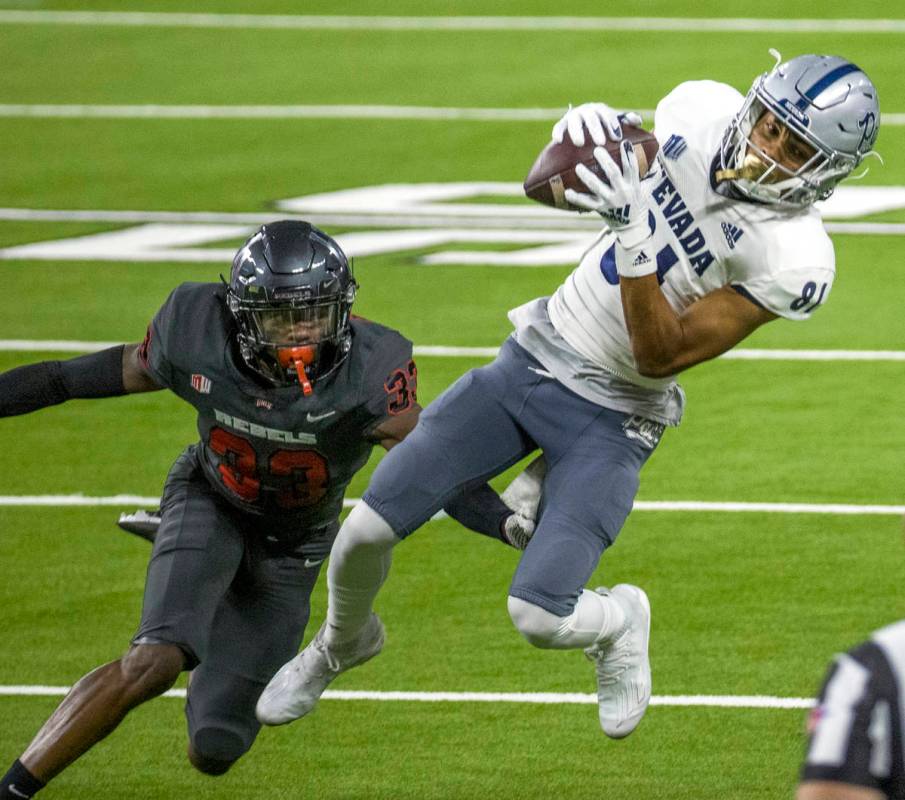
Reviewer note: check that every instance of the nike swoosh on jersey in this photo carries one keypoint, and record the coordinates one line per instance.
(316, 417)
(313, 562)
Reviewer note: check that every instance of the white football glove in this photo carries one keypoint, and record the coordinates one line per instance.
(523, 497)
(624, 206)
(518, 530)
(601, 121)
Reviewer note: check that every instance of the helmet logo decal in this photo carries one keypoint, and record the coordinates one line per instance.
(868, 125)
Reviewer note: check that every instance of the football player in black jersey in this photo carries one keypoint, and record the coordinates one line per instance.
(292, 393)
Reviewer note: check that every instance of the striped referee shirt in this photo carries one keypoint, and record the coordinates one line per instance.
(856, 727)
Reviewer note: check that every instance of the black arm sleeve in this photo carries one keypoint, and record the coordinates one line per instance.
(481, 510)
(48, 383)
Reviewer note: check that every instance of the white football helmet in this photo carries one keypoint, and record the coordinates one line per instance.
(827, 102)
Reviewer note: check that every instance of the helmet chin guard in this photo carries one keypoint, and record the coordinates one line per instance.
(825, 101)
(290, 291)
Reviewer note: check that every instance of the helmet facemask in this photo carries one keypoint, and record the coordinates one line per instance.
(757, 175)
(295, 341)
(290, 292)
(826, 103)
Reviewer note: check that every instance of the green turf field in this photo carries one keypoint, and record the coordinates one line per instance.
(744, 604)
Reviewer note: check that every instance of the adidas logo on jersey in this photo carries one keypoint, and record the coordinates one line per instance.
(732, 234)
(641, 259)
(674, 147)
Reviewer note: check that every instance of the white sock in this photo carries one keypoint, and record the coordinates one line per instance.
(594, 619)
(359, 563)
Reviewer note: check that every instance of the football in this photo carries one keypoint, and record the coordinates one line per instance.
(554, 170)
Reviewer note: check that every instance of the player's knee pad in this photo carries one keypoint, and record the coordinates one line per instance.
(364, 534)
(365, 527)
(537, 625)
(214, 750)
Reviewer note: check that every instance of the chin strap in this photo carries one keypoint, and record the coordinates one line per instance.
(298, 358)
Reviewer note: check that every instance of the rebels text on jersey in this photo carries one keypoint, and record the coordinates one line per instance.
(273, 450)
(702, 240)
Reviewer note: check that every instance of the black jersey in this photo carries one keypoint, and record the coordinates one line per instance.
(856, 727)
(272, 450)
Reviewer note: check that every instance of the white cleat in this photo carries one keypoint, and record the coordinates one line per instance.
(295, 689)
(623, 668)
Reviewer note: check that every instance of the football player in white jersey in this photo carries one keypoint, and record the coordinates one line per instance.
(719, 238)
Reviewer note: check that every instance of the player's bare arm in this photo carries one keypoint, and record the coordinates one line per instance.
(393, 430)
(665, 342)
(136, 377)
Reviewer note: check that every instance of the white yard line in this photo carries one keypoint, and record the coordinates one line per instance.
(440, 218)
(443, 351)
(156, 111)
(745, 354)
(56, 500)
(547, 698)
(694, 506)
(287, 112)
(768, 508)
(453, 23)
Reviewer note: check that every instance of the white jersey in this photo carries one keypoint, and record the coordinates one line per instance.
(779, 259)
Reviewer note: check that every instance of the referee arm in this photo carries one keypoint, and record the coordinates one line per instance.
(833, 790)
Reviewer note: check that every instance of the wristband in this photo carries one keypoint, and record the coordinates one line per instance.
(636, 261)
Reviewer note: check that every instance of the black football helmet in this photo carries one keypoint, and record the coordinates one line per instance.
(291, 290)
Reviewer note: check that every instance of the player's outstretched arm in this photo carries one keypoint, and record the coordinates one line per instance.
(393, 430)
(107, 373)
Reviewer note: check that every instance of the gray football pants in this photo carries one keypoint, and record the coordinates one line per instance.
(488, 420)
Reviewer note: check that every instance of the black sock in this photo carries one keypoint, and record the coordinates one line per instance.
(19, 783)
